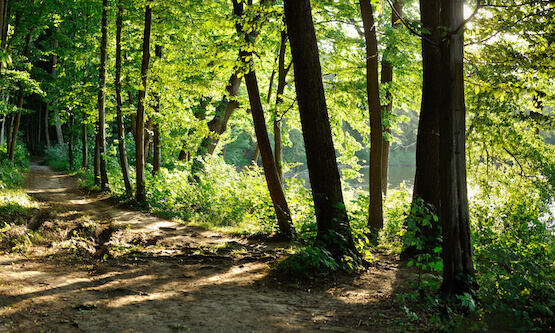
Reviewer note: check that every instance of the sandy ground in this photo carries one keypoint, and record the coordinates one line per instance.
(106, 268)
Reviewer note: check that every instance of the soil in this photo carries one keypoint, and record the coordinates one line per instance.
(103, 267)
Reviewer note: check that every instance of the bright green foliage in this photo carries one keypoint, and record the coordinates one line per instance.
(309, 262)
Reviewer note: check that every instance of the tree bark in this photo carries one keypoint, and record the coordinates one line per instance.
(101, 134)
(70, 140)
(17, 121)
(119, 104)
(275, 188)
(140, 119)
(331, 215)
(282, 82)
(13, 143)
(427, 177)
(46, 126)
(387, 78)
(85, 147)
(58, 122)
(375, 216)
(157, 156)
(458, 269)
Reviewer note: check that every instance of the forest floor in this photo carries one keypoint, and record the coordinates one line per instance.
(104, 267)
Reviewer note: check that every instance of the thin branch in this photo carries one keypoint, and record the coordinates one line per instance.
(409, 27)
(520, 5)
(478, 6)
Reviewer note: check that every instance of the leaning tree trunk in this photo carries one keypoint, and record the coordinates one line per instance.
(119, 112)
(375, 216)
(140, 119)
(101, 134)
(331, 215)
(275, 188)
(458, 269)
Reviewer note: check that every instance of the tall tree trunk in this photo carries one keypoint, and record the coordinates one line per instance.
(157, 156)
(275, 188)
(458, 269)
(119, 112)
(331, 215)
(140, 120)
(9, 132)
(46, 126)
(282, 82)
(387, 79)
(84, 147)
(101, 134)
(13, 143)
(426, 181)
(375, 216)
(58, 122)
(17, 121)
(70, 140)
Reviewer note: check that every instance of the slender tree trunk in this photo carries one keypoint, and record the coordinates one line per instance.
(9, 130)
(270, 171)
(157, 156)
(256, 154)
(387, 79)
(458, 269)
(101, 141)
(13, 143)
(140, 120)
(375, 216)
(2, 129)
(119, 112)
(70, 140)
(58, 122)
(282, 82)
(133, 116)
(331, 215)
(85, 147)
(46, 126)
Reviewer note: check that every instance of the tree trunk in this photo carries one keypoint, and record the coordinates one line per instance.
(331, 215)
(13, 142)
(375, 216)
(387, 78)
(426, 181)
(157, 156)
(140, 120)
(46, 126)
(282, 82)
(58, 123)
(85, 147)
(275, 188)
(101, 141)
(70, 140)
(458, 269)
(119, 112)
(9, 132)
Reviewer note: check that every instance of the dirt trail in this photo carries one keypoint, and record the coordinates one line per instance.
(103, 268)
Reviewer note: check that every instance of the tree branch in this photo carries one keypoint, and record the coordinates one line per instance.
(414, 32)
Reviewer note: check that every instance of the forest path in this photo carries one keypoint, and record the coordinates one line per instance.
(103, 268)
